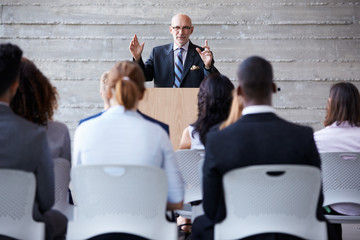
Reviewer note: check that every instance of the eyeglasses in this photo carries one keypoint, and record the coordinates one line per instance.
(177, 28)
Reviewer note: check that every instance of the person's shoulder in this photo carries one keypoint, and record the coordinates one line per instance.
(91, 117)
(162, 47)
(161, 124)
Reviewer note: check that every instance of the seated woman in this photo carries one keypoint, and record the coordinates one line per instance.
(36, 101)
(342, 130)
(214, 100)
(122, 136)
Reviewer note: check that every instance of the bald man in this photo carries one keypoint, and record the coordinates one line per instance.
(178, 64)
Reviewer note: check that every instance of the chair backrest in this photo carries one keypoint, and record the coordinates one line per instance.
(62, 179)
(120, 198)
(272, 198)
(341, 177)
(189, 163)
(16, 205)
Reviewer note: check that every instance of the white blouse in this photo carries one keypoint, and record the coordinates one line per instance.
(125, 137)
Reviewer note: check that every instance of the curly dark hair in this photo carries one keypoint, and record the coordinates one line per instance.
(36, 98)
(214, 101)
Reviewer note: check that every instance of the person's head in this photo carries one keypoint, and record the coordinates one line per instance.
(343, 105)
(10, 57)
(181, 28)
(36, 98)
(256, 81)
(125, 84)
(214, 100)
(103, 82)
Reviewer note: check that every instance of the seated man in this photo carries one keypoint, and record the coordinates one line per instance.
(258, 137)
(24, 146)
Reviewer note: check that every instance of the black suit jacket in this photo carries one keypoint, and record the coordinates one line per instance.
(254, 139)
(160, 67)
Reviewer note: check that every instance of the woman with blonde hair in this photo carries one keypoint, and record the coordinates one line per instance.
(122, 136)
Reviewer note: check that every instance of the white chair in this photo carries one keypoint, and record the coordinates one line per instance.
(271, 198)
(341, 182)
(121, 199)
(62, 179)
(16, 205)
(189, 163)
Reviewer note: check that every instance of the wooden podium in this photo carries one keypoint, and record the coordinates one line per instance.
(176, 107)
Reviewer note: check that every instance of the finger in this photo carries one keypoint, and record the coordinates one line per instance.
(198, 50)
(206, 43)
(142, 46)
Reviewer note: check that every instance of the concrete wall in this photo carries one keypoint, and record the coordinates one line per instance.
(310, 43)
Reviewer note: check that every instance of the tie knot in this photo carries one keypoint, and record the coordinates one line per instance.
(181, 49)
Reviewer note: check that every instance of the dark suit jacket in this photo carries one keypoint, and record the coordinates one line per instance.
(24, 147)
(254, 139)
(161, 124)
(160, 67)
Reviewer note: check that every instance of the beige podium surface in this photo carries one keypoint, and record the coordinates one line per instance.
(176, 107)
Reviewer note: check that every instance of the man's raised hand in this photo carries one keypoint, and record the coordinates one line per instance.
(135, 48)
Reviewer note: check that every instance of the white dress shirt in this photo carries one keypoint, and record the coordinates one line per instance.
(125, 137)
(255, 109)
(342, 138)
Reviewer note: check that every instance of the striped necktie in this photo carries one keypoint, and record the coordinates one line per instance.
(179, 67)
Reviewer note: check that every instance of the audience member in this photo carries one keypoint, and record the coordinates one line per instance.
(122, 136)
(214, 101)
(103, 83)
(36, 101)
(342, 130)
(24, 146)
(258, 137)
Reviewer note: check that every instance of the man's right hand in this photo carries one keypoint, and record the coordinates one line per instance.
(135, 48)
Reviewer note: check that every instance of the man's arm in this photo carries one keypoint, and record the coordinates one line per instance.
(208, 59)
(45, 193)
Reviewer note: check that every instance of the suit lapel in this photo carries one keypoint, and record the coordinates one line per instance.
(189, 60)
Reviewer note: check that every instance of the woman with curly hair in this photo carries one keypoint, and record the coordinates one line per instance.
(36, 101)
(214, 101)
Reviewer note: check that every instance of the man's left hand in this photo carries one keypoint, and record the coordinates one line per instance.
(206, 55)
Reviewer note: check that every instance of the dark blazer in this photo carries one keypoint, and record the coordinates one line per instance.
(160, 67)
(24, 147)
(161, 124)
(254, 139)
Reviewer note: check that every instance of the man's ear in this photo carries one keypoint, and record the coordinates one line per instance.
(240, 91)
(274, 88)
(108, 93)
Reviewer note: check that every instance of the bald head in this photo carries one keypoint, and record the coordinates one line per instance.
(181, 18)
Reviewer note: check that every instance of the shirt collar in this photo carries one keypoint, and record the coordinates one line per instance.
(258, 109)
(185, 47)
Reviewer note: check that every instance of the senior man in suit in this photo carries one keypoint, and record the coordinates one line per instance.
(178, 64)
(24, 146)
(258, 137)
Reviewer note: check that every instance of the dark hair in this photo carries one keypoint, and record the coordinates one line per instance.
(343, 105)
(214, 101)
(256, 78)
(128, 80)
(36, 98)
(10, 56)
